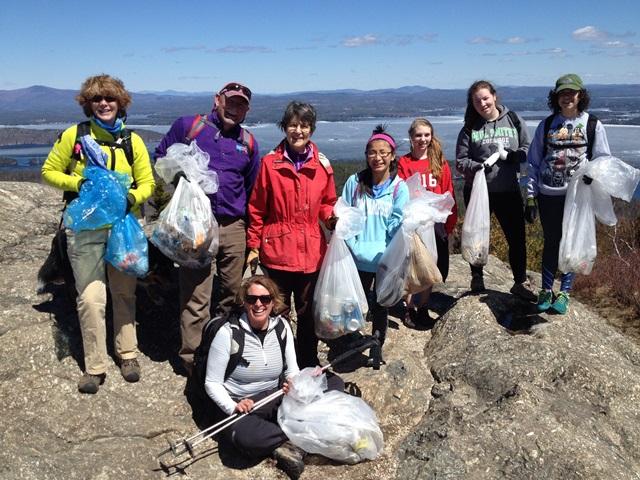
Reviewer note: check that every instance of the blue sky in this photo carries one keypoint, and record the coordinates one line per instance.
(285, 46)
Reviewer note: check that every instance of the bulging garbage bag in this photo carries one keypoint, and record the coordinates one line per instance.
(339, 301)
(423, 271)
(102, 200)
(477, 223)
(127, 248)
(191, 160)
(393, 269)
(585, 203)
(187, 231)
(333, 424)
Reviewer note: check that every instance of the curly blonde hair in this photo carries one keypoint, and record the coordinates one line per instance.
(104, 85)
(266, 282)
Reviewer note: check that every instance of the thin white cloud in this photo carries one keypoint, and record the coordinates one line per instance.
(605, 43)
(516, 40)
(240, 49)
(183, 48)
(361, 41)
(589, 34)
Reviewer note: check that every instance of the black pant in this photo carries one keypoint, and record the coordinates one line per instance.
(379, 314)
(509, 210)
(302, 285)
(442, 247)
(258, 434)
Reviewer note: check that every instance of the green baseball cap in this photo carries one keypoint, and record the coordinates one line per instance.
(570, 81)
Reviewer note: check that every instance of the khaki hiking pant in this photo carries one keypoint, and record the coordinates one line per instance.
(86, 254)
(196, 287)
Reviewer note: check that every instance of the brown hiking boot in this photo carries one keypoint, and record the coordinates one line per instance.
(290, 459)
(130, 370)
(89, 383)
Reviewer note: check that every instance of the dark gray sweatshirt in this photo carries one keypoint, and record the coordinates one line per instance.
(478, 144)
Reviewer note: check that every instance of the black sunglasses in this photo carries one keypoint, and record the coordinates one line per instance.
(99, 98)
(236, 87)
(264, 299)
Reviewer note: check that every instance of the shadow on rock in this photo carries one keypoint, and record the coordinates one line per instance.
(516, 316)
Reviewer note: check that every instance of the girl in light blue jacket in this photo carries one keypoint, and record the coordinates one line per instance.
(381, 194)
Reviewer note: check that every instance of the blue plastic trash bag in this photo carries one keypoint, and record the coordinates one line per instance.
(127, 248)
(95, 156)
(102, 200)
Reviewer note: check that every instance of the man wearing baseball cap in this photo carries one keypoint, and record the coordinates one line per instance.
(234, 156)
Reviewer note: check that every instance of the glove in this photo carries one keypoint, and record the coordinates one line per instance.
(513, 156)
(531, 210)
(330, 222)
(252, 260)
(131, 201)
(487, 168)
(587, 180)
(177, 177)
(477, 166)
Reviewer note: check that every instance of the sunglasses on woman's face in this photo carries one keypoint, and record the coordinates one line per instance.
(264, 299)
(99, 98)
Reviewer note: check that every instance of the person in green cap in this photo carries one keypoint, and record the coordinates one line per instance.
(562, 143)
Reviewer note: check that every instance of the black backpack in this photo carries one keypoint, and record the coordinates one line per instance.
(591, 134)
(237, 335)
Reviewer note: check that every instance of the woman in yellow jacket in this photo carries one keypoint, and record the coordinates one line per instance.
(104, 100)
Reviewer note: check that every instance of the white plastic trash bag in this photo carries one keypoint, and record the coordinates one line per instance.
(333, 424)
(339, 301)
(393, 269)
(585, 203)
(187, 231)
(191, 160)
(477, 223)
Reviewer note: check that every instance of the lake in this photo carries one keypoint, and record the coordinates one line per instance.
(343, 141)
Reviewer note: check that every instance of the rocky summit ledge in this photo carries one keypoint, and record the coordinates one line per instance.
(492, 391)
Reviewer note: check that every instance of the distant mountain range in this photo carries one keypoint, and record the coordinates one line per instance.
(40, 104)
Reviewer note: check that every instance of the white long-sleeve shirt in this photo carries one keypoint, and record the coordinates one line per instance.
(263, 369)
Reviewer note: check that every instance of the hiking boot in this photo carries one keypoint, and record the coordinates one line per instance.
(130, 370)
(409, 319)
(290, 459)
(561, 303)
(89, 383)
(545, 299)
(477, 283)
(524, 291)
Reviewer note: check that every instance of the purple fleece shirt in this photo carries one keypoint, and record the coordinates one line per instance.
(228, 157)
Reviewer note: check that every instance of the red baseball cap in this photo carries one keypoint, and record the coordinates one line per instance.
(235, 89)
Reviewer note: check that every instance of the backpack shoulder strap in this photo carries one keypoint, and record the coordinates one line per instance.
(545, 132)
(515, 120)
(125, 142)
(324, 161)
(237, 338)
(281, 332)
(591, 134)
(199, 121)
(248, 140)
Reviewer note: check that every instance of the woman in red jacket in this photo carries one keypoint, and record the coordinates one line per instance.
(427, 159)
(294, 190)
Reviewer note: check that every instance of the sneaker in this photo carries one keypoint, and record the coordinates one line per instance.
(561, 303)
(477, 283)
(545, 299)
(290, 459)
(130, 370)
(524, 291)
(90, 383)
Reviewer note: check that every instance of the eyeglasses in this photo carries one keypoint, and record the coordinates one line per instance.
(106, 98)
(264, 299)
(383, 155)
(235, 87)
(303, 126)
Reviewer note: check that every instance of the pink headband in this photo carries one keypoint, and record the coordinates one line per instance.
(383, 136)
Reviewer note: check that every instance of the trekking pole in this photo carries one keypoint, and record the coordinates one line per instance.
(189, 444)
